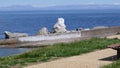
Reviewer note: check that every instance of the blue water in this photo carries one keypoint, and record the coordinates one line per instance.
(31, 21)
(12, 51)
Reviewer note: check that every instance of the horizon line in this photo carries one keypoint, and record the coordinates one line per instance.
(44, 6)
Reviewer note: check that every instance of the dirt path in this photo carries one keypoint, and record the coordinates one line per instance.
(90, 60)
(114, 36)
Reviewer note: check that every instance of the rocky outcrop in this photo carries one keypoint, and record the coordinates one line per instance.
(9, 35)
(43, 31)
(59, 27)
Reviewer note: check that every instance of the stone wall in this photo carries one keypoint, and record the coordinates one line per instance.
(59, 36)
(44, 40)
(103, 32)
(100, 32)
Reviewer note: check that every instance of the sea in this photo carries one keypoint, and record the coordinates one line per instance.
(32, 21)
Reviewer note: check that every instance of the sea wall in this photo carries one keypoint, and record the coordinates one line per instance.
(43, 40)
(103, 32)
(53, 37)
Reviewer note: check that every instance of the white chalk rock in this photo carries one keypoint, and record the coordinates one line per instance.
(59, 27)
(43, 31)
(9, 35)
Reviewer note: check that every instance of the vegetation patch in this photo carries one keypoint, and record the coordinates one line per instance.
(118, 33)
(56, 51)
(116, 64)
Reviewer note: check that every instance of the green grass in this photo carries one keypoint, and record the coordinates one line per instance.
(113, 65)
(56, 51)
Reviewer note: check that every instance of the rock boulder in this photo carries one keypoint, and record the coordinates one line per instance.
(9, 35)
(43, 31)
(59, 27)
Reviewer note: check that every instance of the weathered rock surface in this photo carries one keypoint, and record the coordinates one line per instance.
(43, 31)
(59, 27)
(79, 29)
(9, 35)
(100, 27)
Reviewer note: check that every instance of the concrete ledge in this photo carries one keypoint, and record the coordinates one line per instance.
(51, 37)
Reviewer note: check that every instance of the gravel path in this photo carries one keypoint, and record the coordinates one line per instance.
(90, 60)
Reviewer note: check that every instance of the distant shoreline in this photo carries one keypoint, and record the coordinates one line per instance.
(69, 10)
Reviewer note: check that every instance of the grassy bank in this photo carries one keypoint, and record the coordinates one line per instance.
(113, 65)
(56, 51)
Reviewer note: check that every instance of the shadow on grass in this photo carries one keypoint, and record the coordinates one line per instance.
(111, 58)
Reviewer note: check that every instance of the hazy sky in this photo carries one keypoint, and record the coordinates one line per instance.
(44, 3)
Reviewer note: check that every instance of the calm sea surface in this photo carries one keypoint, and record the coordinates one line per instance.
(31, 21)
(12, 51)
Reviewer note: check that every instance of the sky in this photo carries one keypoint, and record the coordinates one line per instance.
(46, 3)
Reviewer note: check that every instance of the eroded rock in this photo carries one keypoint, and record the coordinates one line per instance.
(43, 31)
(59, 27)
(9, 35)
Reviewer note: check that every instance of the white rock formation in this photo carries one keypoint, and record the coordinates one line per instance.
(59, 27)
(9, 35)
(43, 31)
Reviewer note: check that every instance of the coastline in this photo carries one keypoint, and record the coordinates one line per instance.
(56, 51)
(50, 39)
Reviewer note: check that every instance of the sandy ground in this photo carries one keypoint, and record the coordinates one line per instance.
(94, 59)
(90, 60)
(114, 36)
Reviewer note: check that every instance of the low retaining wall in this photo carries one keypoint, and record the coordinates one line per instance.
(103, 32)
(36, 41)
(51, 37)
